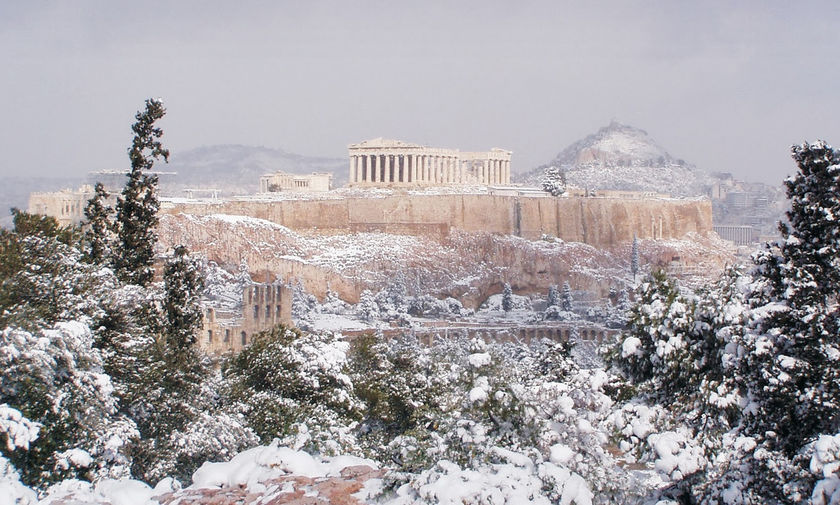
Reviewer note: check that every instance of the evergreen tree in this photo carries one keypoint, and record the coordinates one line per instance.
(634, 257)
(98, 236)
(792, 367)
(367, 308)
(553, 296)
(554, 181)
(138, 205)
(507, 298)
(182, 308)
(566, 301)
(174, 368)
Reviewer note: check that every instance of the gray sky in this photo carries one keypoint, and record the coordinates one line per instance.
(725, 85)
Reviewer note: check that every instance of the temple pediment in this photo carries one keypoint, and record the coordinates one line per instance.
(382, 142)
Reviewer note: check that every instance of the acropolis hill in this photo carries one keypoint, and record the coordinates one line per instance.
(431, 191)
(598, 221)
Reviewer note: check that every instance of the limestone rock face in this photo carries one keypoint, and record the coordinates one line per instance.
(599, 222)
(418, 244)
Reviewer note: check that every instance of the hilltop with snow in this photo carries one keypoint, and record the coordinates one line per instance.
(623, 157)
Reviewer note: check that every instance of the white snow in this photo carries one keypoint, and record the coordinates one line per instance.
(265, 462)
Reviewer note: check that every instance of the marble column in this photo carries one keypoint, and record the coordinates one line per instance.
(375, 177)
(414, 159)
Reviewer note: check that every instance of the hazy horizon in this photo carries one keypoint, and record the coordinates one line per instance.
(726, 87)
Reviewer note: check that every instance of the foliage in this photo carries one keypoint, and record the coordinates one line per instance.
(53, 378)
(292, 385)
(553, 299)
(554, 181)
(182, 313)
(99, 229)
(138, 205)
(507, 298)
(566, 300)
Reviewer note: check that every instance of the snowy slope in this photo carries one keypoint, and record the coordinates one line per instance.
(623, 157)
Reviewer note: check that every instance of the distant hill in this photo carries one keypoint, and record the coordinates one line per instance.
(623, 157)
(236, 169)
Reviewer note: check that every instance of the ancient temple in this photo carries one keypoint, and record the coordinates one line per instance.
(384, 162)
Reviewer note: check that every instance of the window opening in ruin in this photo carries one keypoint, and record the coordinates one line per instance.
(210, 336)
(227, 335)
(256, 311)
(244, 338)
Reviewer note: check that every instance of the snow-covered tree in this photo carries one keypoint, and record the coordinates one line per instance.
(554, 181)
(182, 313)
(566, 299)
(790, 364)
(291, 385)
(137, 207)
(553, 299)
(99, 229)
(634, 257)
(368, 309)
(53, 384)
(507, 298)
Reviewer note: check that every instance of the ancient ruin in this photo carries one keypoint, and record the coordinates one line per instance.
(263, 307)
(66, 206)
(384, 162)
(281, 181)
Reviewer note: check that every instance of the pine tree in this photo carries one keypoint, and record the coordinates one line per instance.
(634, 257)
(98, 237)
(507, 298)
(566, 301)
(138, 205)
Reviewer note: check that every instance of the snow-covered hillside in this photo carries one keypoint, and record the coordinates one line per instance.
(623, 157)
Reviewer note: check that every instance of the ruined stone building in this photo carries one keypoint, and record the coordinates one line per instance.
(66, 206)
(263, 307)
(384, 162)
(281, 182)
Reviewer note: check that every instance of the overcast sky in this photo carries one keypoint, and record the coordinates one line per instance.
(727, 86)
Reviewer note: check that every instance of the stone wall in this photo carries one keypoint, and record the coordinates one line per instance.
(600, 222)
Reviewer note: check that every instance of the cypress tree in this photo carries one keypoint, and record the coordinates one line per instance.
(553, 296)
(138, 205)
(634, 257)
(507, 298)
(566, 301)
(98, 236)
(181, 306)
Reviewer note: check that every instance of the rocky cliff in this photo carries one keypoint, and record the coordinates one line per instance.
(467, 265)
(599, 222)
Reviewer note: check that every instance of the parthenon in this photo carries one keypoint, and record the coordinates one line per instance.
(384, 162)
